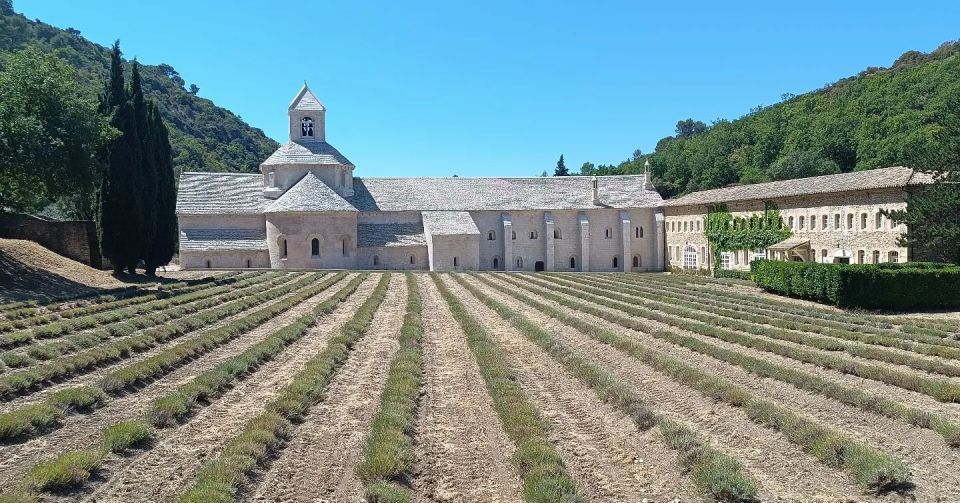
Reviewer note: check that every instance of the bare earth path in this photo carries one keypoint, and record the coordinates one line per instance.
(608, 457)
(320, 460)
(462, 453)
(84, 429)
(162, 472)
(784, 471)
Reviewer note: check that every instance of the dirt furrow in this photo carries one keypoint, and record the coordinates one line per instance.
(320, 460)
(94, 375)
(608, 457)
(462, 452)
(160, 473)
(784, 471)
(82, 429)
(893, 392)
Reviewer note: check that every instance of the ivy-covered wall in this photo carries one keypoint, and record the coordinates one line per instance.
(727, 233)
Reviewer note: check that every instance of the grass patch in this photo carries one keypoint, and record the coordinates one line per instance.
(66, 471)
(542, 471)
(124, 435)
(388, 455)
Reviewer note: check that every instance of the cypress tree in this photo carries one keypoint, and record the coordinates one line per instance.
(114, 92)
(561, 169)
(147, 172)
(165, 236)
(119, 215)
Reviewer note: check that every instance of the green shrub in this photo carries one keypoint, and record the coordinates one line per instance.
(871, 286)
(732, 274)
(29, 420)
(70, 469)
(126, 434)
(77, 398)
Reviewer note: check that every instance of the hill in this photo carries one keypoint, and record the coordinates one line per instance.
(907, 114)
(204, 137)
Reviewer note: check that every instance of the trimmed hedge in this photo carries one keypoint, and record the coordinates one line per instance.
(874, 286)
(732, 274)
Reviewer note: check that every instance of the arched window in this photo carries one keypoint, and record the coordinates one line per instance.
(283, 247)
(876, 256)
(879, 223)
(496, 263)
(689, 257)
(863, 221)
(893, 256)
(861, 257)
(491, 236)
(306, 127)
(573, 262)
(802, 222)
(824, 223)
(608, 233)
(836, 222)
(684, 226)
(376, 260)
(519, 262)
(790, 223)
(638, 232)
(850, 221)
(557, 234)
(616, 262)
(513, 235)
(636, 261)
(698, 226)
(248, 263)
(813, 222)
(343, 246)
(315, 247)
(456, 262)
(533, 234)
(413, 259)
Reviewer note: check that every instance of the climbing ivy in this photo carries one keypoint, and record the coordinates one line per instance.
(726, 232)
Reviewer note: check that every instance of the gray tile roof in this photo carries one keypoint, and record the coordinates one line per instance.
(884, 178)
(390, 235)
(223, 239)
(309, 194)
(305, 100)
(473, 194)
(220, 193)
(306, 152)
(448, 223)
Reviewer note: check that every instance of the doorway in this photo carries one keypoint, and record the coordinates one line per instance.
(538, 266)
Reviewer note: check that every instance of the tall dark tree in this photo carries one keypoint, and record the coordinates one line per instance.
(146, 172)
(165, 235)
(120, 194)
(114, 92)
(932, 218)
(561, 169)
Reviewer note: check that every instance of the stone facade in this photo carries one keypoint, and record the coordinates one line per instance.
(73, 239)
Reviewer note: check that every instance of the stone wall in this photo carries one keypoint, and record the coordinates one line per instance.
(75, 239)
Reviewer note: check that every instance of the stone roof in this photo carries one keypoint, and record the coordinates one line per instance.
(223, 239)
(499, 194)
(305, 100)
(448, 223)
(220, 193)
(309, 194)
(306, 152)
(390, 235)
(885, 178)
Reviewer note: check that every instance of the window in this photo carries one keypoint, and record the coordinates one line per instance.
(638, 232)
(616, 262)
(823, 255)
(519, 262)
(573, 262)
(850, 221)
(836, 222)
(698, 226)
(413, 259)
(703, 254)
(689, 257)
(813, 222)
(343, 178)
(684, 226)
(790, 224)
(802, 221)
(376, 260)
(306, 127)
(824, 223)
(813, 254)
(283, 247)
(608, 233)
(513, 235)
(557, 234)
(893, 256)
(343, 245)
(491, 236)
(861, 257)
(863, 222)
(736, 258)
(725, 260)
(315, 247)
(455, 262)
(669, 253)
(271, 179)
(496, 262)
(248, 263)
(876, 256)
(208, 264)
(636, 261)
(879, 223)
(759, 254)
(677, 248)
(533, 234)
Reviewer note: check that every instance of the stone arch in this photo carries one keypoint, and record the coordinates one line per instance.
(376, 260)
(616, 262)
(519, 262)
(573, 262)
(491, 236)
(315, 247)
(557, 234)
(637, 263)
(690, 257)
(283, 247)
(496, 262)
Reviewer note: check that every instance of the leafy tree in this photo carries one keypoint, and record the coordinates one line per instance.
(194, 89)
(6, 7)
(933, 219)
(587, 168)
(801, 164)
(165, 234)
(688, 128)
(561, 169)
(50, 133)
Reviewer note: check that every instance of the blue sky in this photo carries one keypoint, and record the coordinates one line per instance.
(504, 88)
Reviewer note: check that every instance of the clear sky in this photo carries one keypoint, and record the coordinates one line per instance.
(504, 87)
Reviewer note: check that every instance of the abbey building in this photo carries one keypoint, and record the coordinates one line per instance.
(307, 210)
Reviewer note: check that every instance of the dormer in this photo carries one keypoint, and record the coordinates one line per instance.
(307, 117)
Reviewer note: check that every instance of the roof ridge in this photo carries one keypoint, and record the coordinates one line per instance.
(600, 177)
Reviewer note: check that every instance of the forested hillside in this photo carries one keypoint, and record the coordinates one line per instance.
(204, 136)
(908, 114)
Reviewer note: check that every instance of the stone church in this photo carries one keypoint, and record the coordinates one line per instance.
(307, 210)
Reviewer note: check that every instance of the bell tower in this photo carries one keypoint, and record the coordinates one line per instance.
(307, 117)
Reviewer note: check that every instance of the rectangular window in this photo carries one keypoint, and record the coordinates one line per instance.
(801, 222)
(725, 259)
(879, 223)
(836, 222)
(850, 221)
(813, 222)
(825, 222)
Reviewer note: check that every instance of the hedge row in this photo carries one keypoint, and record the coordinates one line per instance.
(871, 286)
(732, 274)
(219, 478)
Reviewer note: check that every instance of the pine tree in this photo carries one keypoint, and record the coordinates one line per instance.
(561, 169)
(165, 236)
(147, 172)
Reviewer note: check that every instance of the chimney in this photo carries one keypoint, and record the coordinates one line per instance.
(647, 177)
(596, 190)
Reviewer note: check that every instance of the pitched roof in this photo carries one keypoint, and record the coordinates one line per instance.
(474, 194)
(448, 223)
(306, 152)
(390, 235)
(305, 100)
(220, 193)
(884, 178)
(223, 239)
(309, 194)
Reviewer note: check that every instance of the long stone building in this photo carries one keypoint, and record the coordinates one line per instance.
(307, 210)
